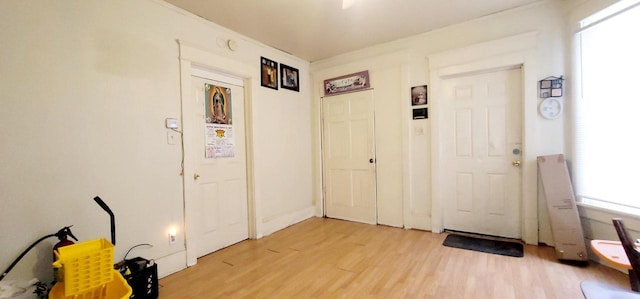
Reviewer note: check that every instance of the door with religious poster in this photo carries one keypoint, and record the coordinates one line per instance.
(217, 152)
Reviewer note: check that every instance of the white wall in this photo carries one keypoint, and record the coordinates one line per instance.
(407, 198)
(85, 89)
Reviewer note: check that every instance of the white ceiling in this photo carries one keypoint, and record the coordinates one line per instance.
(319, 29)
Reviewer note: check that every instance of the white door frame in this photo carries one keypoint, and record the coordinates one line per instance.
(190, 58)
(504, 53)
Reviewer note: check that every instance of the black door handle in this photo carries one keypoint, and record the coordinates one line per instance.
(371, 160)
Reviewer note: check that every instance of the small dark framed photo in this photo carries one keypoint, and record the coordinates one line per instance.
(419, 95)
(269, 73)
(289, 78)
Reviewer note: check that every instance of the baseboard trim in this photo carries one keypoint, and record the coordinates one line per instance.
(172, 263)
(273, 224)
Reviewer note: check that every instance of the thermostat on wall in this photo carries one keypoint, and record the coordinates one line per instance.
(172, 123)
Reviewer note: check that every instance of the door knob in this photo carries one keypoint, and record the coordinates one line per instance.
(516, 163)
(371, 160)
(196, 176)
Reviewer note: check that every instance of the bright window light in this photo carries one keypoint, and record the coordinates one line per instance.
(615, 8)
(607, 122)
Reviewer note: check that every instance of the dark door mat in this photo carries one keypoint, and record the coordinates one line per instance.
(484, 245)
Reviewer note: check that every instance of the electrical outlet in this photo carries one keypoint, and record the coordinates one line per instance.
(172, 238)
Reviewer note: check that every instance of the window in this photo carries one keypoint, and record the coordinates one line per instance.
(607, 109)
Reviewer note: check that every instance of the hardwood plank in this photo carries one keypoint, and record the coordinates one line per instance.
(327, 258)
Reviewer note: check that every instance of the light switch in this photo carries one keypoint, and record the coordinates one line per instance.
(172, 138)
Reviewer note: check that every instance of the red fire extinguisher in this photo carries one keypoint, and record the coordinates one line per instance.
(62, 236)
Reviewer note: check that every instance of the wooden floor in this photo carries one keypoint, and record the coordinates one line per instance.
(338, 259)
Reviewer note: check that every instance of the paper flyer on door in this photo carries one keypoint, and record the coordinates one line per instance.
(218, 122)
(219, 141)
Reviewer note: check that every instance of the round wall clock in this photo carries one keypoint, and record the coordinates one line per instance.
(550, 108)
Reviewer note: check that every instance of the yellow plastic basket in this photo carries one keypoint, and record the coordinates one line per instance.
(116, 289)
(85, 266)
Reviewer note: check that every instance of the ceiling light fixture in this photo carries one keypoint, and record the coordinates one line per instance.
(347, 3)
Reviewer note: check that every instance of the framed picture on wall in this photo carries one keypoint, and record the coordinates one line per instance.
(289, 77)
(419, 95)
(348, 83)
(269, 73)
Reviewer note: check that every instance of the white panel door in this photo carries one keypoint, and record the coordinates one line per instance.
(219, 168)
(349, 157)
(482, 150)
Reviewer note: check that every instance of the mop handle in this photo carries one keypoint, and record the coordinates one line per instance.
(113, 221)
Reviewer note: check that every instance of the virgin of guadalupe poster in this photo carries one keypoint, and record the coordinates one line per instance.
(218, 104)
(218, 122)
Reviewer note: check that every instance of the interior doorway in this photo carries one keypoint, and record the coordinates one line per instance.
(505, 53)
(348, 147)
(193, 61)
(482, 150)
(215, 167)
